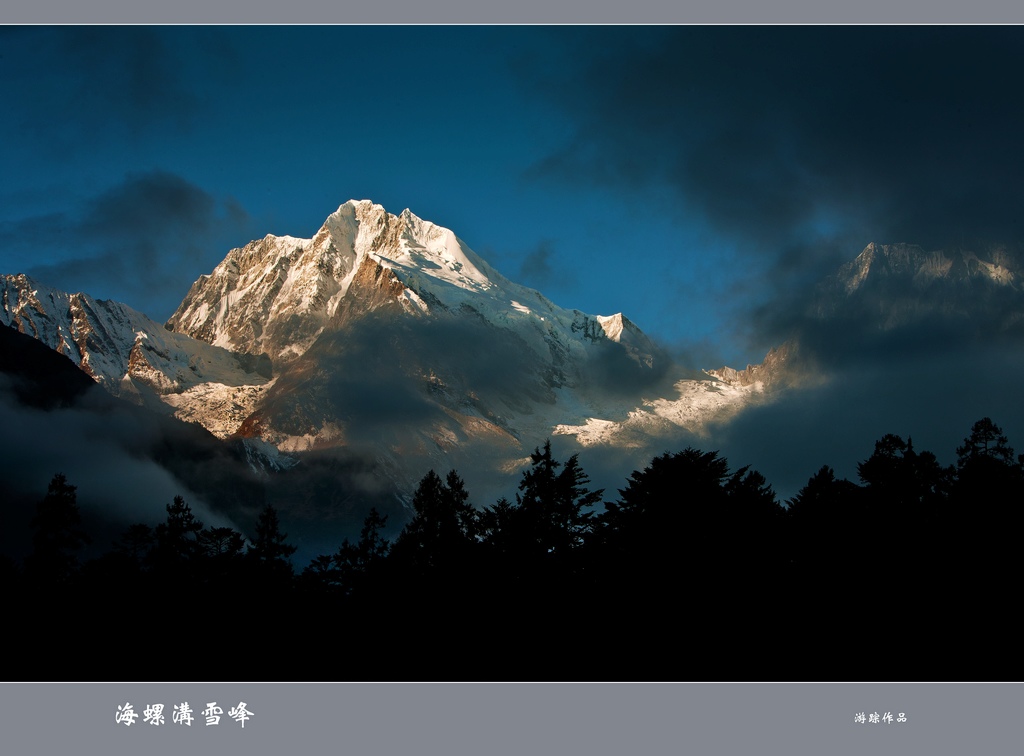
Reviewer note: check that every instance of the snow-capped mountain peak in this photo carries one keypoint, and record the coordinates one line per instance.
(381, 332)
(914, 263)
(419, 247)
(278, 294)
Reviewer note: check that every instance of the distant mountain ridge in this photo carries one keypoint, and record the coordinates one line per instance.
(333, 372)
(128, 353)
(902, 283)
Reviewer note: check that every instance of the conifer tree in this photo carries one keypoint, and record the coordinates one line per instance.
(556, 508)
(176, 540)
(443, 529)
(221, 542)
(820, 519)
(221, 550)
(677, 497)
(269, 550)
(986, 505)
(57, 536)
(987, 443)
(355, 564)
(135, 543)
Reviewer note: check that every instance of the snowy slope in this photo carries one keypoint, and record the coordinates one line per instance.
(388, 331)
(278, 294)
(122, 349)
(386, 334)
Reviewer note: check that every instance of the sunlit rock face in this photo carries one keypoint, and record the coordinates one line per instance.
(123, 350)
(385, 333)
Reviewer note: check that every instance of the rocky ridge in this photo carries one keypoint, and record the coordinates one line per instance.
(385, 333)
(123, 350)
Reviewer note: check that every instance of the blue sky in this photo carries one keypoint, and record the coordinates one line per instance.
(697, 179)
(688, 176)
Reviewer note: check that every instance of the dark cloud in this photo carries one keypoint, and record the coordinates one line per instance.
(542, 267)
(133, 72)
(933, 400)
(128, 463)
(325, 498)
(391, 372)
(538, 267)
(392, 382)
(612, 372)
(142, 241)
(901, 354)
(106, 454)
(900, 311)
(801, 144)
(149, 204)
(73, 86)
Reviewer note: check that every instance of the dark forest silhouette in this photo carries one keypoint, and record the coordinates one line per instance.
(694, 571)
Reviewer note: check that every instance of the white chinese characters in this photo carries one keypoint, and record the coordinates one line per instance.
(212, 713)
(240, 713)
(182, 714)
(126, 715)
(154, 714)
(876, 718)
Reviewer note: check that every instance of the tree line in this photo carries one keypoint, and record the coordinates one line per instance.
(689, 549)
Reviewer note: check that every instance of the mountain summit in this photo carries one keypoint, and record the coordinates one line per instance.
(389, 330)
(278, 294)
(387, 334)
(892, 291)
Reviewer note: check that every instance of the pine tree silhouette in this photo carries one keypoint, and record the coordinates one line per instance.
(269, 552)
(986, 444)
(57, 534)
(176, 549)
(986, 502)
(556, 509)
(443, 526)
(355, 566)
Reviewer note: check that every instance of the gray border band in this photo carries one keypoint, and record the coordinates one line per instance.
(476, 719)
(521, 12)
